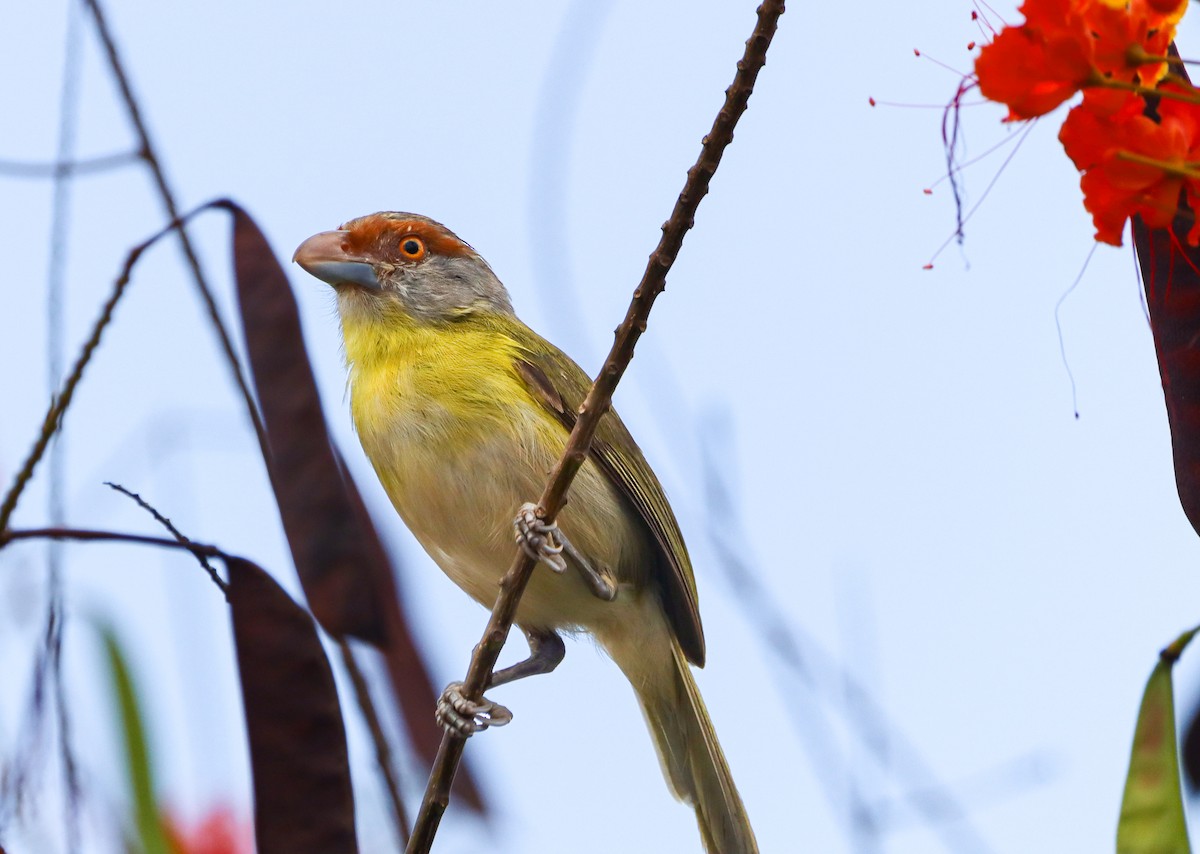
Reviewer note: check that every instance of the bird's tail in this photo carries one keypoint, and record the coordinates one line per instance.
(687, 744)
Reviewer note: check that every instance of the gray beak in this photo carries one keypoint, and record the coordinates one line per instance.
(325, 256)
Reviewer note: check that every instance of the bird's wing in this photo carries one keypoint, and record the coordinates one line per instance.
(561, 386)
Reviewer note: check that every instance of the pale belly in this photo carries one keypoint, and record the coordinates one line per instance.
(459, 498)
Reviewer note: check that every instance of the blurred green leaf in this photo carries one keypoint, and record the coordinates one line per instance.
(1152, 818)
(150, 832)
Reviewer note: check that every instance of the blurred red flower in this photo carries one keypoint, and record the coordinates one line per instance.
(1130, 163)
(221, 831)
(1068, 45)
(1032, 71)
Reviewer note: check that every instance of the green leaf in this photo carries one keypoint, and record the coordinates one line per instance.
(150, 830)
(1152, 819)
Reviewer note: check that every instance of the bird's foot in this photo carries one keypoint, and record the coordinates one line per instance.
(457, 714)
(540, 540)
(544, 542)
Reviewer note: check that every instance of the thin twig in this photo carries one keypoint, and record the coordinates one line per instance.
(170, 526)
(383, 751)
(58, 406)
(68, 168)
(147, 153)
(598, 401)
(88, 536)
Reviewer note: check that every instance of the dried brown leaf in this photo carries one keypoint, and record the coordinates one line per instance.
(322, 530)
(303, 800)
(1171, 277)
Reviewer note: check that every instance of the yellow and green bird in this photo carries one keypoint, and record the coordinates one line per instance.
(463, 410)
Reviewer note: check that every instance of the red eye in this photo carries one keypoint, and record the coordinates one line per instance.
(412, 248)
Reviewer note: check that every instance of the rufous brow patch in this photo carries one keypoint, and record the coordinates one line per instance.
(380, 234)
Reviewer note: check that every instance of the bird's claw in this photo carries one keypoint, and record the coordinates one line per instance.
(543, 542)
(456, 714)
(539, 539)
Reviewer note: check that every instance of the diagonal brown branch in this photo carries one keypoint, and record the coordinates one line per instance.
(147, 153)
(598, 401)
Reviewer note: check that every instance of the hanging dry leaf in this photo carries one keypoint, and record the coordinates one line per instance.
(303, 800)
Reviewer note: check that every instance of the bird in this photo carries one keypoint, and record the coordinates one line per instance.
(462, 411)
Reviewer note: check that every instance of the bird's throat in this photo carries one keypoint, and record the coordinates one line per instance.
(406, 375)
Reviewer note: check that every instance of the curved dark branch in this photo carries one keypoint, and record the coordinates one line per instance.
(84, 535)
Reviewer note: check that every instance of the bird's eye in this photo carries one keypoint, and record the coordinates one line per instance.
(412, 248)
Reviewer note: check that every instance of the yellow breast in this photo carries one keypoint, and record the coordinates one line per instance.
(459, 443)
(447, 422)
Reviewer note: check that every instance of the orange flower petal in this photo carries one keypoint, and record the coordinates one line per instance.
(1029, 74)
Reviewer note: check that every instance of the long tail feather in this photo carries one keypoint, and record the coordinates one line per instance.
(691, 756)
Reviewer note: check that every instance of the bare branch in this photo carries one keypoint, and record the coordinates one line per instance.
(170, 526)
(58, 406)
(86, 536)
(147, 153)
(598, 401)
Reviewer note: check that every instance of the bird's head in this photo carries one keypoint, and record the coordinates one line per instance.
(393, 261)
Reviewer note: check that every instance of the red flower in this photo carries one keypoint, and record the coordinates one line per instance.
(219, 832)
(1123, 33)
(1068, 45)
(1032, 70)
(1131, 164)
(1089, 133)
(1170, 11)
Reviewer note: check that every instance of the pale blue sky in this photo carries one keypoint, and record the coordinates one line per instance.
(915, 491)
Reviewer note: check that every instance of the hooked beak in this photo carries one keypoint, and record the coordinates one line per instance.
(324, 255)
